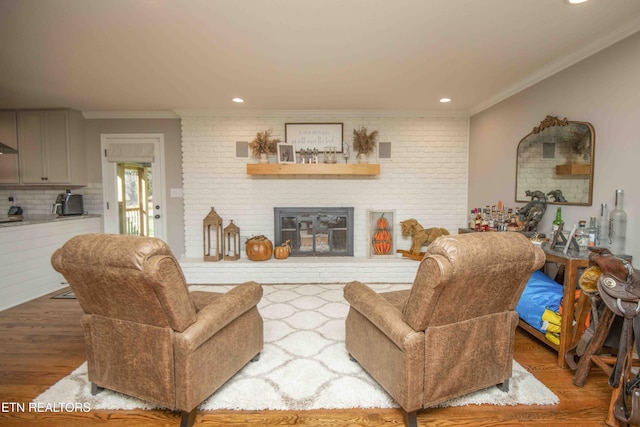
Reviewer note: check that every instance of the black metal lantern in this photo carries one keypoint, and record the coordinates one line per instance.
(212, 236)
(232, 242)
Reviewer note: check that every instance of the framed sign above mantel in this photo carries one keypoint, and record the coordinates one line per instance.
(307, 136)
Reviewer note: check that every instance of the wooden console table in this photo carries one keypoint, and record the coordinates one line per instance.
(569, 334)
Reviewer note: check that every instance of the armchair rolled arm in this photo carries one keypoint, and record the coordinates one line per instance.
(379, 312)
(219, 313)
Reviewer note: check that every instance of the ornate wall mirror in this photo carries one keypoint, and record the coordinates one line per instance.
(556, 158)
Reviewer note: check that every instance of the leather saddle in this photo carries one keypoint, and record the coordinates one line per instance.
(621, 294)
(619, 288)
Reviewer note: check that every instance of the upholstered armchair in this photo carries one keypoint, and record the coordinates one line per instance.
(453, 332)
(146, 335)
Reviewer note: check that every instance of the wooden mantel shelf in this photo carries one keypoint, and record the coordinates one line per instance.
(313, 169)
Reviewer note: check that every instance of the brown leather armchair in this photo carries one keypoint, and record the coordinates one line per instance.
(452, 333)
(146, 335)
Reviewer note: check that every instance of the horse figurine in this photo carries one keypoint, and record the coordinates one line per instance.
(419, 237)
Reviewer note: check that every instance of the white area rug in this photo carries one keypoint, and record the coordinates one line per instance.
(304, 364)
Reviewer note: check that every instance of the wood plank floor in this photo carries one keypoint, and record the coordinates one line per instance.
(42, 341)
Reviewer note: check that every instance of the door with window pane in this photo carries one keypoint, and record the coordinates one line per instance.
(135, 199)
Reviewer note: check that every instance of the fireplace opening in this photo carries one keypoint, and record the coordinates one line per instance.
(315, 231)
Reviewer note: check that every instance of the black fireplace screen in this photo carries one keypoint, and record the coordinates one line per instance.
(315, 231)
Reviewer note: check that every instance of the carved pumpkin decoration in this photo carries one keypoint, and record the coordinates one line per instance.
(258, 248)
(382, 238)
(382, 222)
(282, 251)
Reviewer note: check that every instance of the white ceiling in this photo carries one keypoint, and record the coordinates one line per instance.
(391, 55)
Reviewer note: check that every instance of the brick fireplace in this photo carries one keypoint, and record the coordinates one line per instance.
(425, 178)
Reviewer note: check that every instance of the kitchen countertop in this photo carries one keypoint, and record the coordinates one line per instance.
(41, 219)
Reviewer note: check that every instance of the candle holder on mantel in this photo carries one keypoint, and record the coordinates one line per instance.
(212, 236)
(232, 242)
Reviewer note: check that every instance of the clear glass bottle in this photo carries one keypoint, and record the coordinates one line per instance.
(603, 227)
(618, 226)
(582, 238)
(592, 232)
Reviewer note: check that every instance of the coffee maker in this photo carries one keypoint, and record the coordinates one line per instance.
(68, 204)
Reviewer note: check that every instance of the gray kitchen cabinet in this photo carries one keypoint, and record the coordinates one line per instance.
(51, 147)
(9, 173)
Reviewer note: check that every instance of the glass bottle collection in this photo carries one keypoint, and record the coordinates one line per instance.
(607, 231)
(494, 218)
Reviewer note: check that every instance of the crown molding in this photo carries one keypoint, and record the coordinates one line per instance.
(555, 67)
(177, 114)
(130, 115)
(321, 113)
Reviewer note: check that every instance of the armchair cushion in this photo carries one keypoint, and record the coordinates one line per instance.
(378, 311)
(221, 310)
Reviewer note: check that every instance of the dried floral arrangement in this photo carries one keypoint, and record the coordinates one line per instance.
(364, 143)
(580, 142)
(263, 143)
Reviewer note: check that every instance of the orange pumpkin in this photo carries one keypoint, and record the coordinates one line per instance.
(382, 222)
(282, 251)
(382, 242)
(258, 248)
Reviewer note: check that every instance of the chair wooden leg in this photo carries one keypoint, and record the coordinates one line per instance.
(95, 389)
(410, 418)
(600, 335)
(188, 418)
(504, 386)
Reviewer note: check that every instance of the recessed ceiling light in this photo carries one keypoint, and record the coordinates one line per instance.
(445, 100)
(575, 1)
(238, 100)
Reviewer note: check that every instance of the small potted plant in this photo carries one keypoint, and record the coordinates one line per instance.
(263, 145)
(364, 143)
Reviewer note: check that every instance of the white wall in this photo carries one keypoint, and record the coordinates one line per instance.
(603, 90)
(426, 178)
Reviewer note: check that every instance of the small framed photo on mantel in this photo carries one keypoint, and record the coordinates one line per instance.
(286, 153)
(381, 233)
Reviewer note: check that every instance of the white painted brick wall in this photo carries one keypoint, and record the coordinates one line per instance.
(426, 178)
(301, 270)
